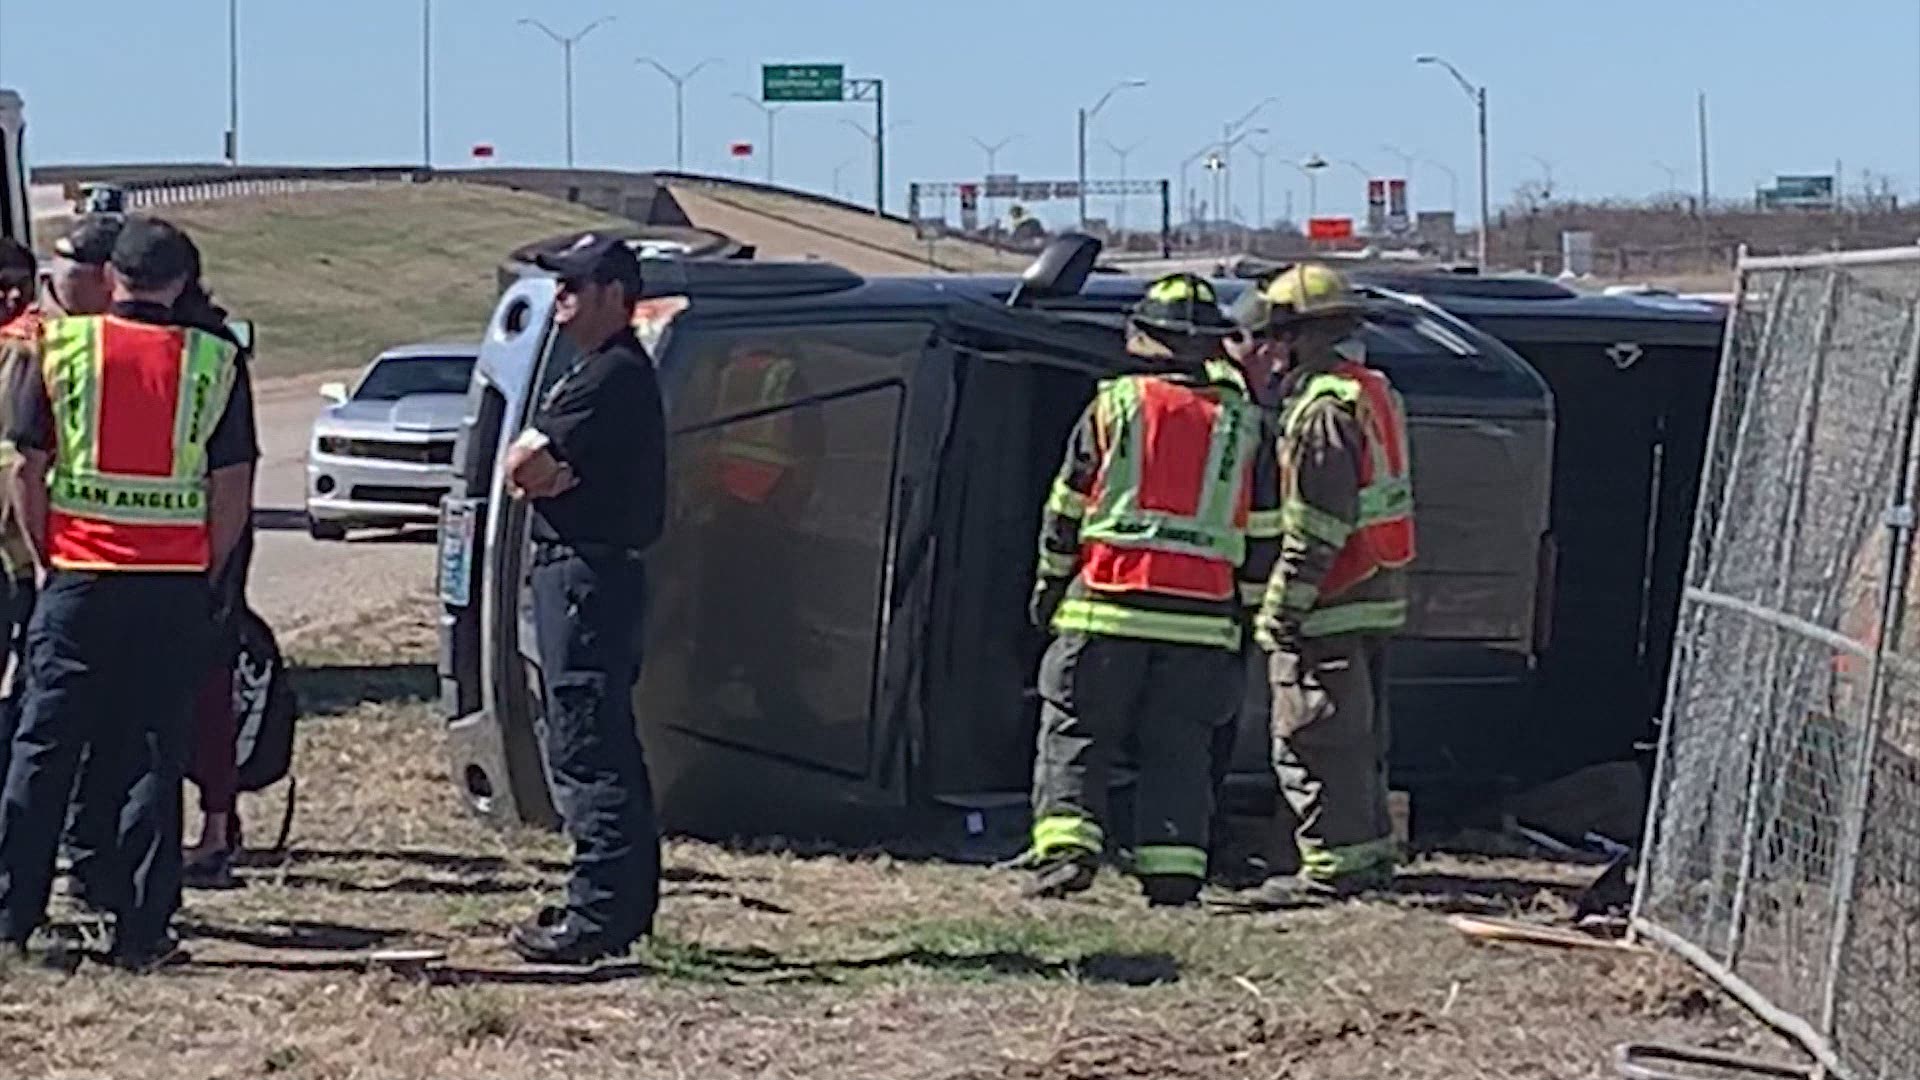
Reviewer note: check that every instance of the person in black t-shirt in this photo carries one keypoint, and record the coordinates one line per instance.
(592, 465)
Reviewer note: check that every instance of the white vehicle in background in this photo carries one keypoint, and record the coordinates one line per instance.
(382, 453)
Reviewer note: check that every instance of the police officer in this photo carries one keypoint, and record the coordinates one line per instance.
(137, 448)
(1151, 546)
(593, 467)
(1339, 590)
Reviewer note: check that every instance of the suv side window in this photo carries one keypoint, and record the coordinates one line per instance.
(781, 471)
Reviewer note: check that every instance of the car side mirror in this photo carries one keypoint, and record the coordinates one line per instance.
(1060, 270)
(242, 332)
(335, 392)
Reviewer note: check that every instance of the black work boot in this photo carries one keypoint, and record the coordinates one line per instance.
(1059, 876)
(1170, 890)
(1300, 890)
(555, 937)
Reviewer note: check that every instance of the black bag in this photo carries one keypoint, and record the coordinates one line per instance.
(264, 706)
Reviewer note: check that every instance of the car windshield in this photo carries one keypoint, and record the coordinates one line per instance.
(403, 376)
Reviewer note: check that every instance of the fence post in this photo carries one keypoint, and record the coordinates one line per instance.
(1682, 634)
(1900, 523)
(1800, 452)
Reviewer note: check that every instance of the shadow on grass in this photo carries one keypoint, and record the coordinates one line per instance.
(1470, 895)
(432, 860)
(406, 886)
(298, 934)
(335, 688)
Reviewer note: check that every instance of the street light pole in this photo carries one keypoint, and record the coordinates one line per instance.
(1453, 184)
(1086, 117)
(992, 150)
(1228, 140)
(1186, 193)
(1120, 201)
(233, 83)
(771, 111)
(680, 106)
(426, 83)
(566, 49)
(1477, 95)
(1260, 154)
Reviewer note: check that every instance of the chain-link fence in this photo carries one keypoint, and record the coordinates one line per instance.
(1783, 851)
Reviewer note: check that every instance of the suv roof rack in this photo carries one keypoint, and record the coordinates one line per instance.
(739, 279)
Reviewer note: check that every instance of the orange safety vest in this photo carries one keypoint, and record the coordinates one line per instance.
(134, 405)
(1382, 538)
(1169, 506)
(754, 453)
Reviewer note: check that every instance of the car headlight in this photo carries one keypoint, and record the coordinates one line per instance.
(331, 444)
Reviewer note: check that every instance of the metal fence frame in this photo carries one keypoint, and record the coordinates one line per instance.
(1738, 398)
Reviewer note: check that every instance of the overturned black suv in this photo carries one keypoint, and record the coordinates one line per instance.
(838, 645)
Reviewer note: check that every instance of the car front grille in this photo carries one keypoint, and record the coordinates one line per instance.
(411, 496)
(413, 453)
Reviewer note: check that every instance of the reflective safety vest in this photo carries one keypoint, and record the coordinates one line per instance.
(1382, 537)
(754, 453)
(1168, 510)
(134, 405)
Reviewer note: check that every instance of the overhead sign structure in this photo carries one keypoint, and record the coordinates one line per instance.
(1330, 228)
(803, 82)
(1799, 191)
(1002, 185)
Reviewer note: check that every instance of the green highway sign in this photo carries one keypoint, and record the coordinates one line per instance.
(803, 82)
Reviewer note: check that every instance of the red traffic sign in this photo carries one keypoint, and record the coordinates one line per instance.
(483, 150)
(741, 149)
(1329, 228)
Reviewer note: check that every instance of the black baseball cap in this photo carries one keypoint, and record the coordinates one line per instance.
(90, 241)
(603, 260)
(151, 253)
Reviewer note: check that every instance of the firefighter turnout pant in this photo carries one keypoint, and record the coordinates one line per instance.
(1330, 743)
(1159, 703)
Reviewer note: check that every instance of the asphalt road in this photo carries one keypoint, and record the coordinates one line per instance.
(300, 585)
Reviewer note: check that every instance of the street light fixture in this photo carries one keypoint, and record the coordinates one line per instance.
(1311, 168)
(1086, 117)
(771, 111)
(679, 104)
(1478, 95)
(566, 49)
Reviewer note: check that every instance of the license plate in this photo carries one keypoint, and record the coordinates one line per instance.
(457, 518)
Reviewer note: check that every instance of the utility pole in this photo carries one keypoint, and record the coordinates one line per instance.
(680, 106)
(771, 111)
(426, 83)
(1477, 95)
(1086, 116)
(566, 49)
(233, 83)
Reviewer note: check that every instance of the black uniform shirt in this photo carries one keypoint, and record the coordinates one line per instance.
(604, 420)
(234, 440)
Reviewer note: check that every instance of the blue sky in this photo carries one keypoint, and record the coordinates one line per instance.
(1603, 91)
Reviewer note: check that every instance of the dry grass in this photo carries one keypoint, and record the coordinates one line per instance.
(777, 963)
(332, 277)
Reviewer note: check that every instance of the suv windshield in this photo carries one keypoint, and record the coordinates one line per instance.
(397, 377)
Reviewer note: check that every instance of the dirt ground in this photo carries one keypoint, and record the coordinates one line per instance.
(786, 963)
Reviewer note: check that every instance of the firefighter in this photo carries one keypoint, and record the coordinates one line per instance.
(1146, 571)
(137, 444)
(1338, 591)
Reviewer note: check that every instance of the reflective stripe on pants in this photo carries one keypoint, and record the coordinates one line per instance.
(1105, 697)
(1331, 737)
